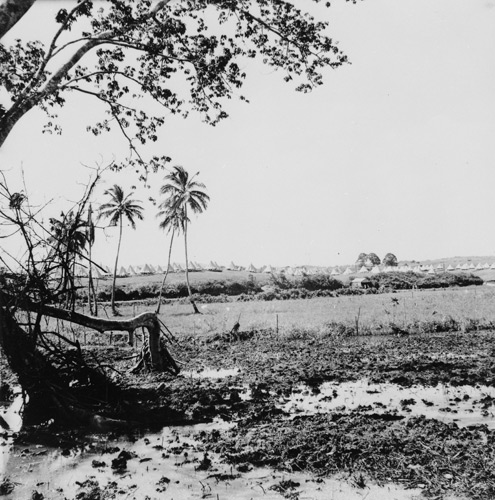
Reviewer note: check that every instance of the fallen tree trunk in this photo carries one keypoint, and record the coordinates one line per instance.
(59, 381)
(159, 357)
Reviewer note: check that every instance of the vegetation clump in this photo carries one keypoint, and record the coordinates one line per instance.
(409, 280)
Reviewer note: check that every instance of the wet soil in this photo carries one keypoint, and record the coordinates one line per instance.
(368, 443)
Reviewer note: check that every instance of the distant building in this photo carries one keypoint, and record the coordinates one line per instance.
(361, 283)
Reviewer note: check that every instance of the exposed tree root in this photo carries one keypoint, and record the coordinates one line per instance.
(58, 380)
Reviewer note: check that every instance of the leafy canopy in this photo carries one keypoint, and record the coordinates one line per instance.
(185, 55)
(120, 206)
(181, 192)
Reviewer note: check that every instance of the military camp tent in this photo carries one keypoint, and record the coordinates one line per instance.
(122, 271)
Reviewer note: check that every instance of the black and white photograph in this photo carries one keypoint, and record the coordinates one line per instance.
(246, 249)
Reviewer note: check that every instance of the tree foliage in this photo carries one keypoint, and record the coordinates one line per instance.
(373, 259)
(182, 194)
(360, 261)
(186, 56)
(390, 260)
(119, 207)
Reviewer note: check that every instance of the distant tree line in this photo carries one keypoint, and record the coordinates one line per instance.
(372, 259)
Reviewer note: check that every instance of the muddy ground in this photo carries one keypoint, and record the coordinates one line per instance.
(370, 442)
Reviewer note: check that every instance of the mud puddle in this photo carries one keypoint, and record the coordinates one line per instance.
(212, 373)
(171, 464)
(465, 405)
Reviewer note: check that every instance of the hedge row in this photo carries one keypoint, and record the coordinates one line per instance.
(283, 288)
(178, 290)
(408, 280)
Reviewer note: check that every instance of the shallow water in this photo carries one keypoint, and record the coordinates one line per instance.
(169, 464)
(465, 405)
(166, 465)
(212, 373)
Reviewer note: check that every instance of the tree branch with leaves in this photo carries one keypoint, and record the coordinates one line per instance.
(117, 51)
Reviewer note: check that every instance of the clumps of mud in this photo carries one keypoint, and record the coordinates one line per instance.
(415, 452)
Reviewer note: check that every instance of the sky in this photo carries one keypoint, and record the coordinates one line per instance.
(394, 153)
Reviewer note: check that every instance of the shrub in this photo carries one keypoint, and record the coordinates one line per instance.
(394, 280)
(319, 282)
(445, 280)
(280, 282)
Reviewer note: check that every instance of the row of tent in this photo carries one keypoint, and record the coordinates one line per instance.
(417, 269)
(102, 271)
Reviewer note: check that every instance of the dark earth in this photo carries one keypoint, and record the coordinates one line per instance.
(440, 458)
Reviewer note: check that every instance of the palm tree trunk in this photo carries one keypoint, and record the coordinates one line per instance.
(115, 267)
(196, 310)
(166, 273)
(93, 308)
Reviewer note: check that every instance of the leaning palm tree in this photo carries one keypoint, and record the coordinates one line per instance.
(171, 222)
(119, 206)
(182, 193)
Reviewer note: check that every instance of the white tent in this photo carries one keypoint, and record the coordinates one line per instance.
(375, 270)
(471, 266)
(251, 269)
(431, 271)
(486, 265)
(98, 273)
(492, 266)
(363, 270)
(335, 271)
(450, 268)
(270, 269)
(440, 267)
(479, 267)
(458, 267)
(122, 271)
(348, 271)
(232, 266)
(147, 269)
(159, 269)
(417, 269)
(131, 271)
(191, 266)
(465, 266)
(178, 268)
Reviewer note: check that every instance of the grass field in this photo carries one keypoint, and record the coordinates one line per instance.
(467, 307)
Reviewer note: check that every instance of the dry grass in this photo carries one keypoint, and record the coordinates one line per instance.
(464, 306)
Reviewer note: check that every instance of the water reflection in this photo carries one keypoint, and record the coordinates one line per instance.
(465, 405)
(171, 464)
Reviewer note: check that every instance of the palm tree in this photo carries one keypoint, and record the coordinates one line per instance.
(120, 206)
(171, 222)
(183, 193)
(68, 238)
